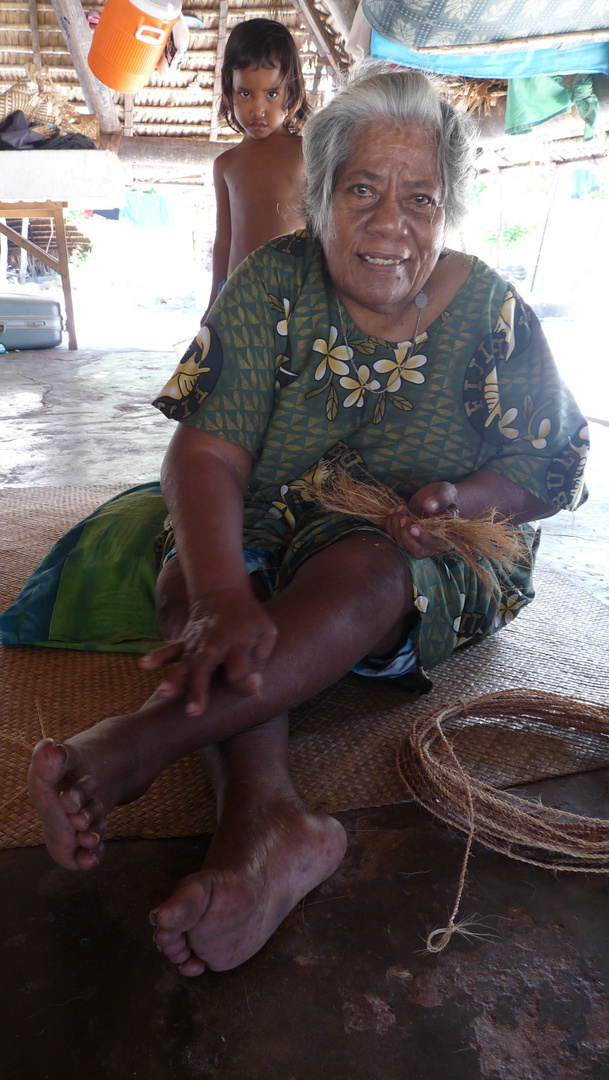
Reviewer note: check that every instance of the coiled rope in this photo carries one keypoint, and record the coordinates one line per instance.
(522, 830)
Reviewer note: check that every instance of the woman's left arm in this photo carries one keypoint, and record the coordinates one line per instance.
(476, 494)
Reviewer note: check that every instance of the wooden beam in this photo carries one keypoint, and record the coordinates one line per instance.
(544, 41)
(35, 36)
(78, 37)
(128, 114)
(318, 30)
(221, 43)
(164, 151)
(60, 265)
(343, 14)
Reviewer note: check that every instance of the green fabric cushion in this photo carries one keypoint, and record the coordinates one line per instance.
(96, 588)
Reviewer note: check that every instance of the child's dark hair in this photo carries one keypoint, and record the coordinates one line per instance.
(264, 43)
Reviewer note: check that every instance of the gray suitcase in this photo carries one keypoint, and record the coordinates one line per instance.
(29, 322)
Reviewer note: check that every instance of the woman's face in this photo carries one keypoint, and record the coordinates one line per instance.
(387, 224)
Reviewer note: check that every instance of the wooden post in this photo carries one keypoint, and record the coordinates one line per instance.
(128, 114)
(77, 33)
(23, 253)
(220, 44)
(60, 264)
(3, 259)
(64, 272)
(35, 37)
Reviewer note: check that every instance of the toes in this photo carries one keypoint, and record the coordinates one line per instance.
(50, 761)
(173, 945)
(193, 966)
(185, 908)
(168, 940)
(178, 952)
(89, 840)
(90, 819)
(88, 860)
(78, 794)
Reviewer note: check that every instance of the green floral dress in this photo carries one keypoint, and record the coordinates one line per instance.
(272, 372)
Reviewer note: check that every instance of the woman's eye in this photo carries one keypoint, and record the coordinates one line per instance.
(423, 200)
(361, 189)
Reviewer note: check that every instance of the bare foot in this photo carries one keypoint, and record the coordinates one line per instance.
(256, 870)
(74, 785)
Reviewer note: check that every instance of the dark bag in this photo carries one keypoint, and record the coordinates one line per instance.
(16, 133)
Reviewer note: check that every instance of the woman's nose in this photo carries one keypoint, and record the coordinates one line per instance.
(388, 215)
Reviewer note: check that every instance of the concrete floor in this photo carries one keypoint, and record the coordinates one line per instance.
(344, 989)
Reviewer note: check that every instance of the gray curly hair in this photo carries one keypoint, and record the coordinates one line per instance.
(376, 92)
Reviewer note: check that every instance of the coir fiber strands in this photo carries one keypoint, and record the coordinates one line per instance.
(343, 743)
(517, 827)
(471, 538)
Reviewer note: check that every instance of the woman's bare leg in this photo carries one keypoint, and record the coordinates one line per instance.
(345, 602)
(268, 851)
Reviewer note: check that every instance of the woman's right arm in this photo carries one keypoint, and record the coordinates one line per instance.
(204, 479)
(222, 242)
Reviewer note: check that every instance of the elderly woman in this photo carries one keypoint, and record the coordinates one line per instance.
(363, 341)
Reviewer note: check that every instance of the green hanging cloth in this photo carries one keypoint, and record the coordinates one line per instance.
(531, 102)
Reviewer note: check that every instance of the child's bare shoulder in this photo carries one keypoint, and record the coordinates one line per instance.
(287, 148)
(227, 158)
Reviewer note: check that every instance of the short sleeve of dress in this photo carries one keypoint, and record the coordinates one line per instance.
(530, 427)
(224, 383)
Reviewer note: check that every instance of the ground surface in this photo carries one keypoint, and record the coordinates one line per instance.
(344, 990)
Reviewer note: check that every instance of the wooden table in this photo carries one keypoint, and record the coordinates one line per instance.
(60, 264)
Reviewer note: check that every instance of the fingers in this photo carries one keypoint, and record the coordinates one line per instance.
(167, 655)
(240, 643)
(412, 536)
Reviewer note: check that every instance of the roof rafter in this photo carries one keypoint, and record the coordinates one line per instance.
(320, 34)
(221, 44)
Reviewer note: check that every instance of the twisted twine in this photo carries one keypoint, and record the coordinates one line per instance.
(527, 831)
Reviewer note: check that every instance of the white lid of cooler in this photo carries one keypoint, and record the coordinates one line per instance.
(165, 10)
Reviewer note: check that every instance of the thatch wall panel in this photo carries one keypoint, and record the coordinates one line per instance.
(179, 104)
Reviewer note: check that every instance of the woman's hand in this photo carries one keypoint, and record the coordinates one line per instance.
(428, 501)
(228, 627)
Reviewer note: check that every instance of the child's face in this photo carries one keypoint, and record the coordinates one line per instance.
(259, 100)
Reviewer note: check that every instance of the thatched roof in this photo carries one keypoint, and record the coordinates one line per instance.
(182, 103)
(181, 107)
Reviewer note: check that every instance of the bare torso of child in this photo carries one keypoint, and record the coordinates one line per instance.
(264, 180)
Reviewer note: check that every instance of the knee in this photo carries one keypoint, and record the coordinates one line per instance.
(171, 599)
(373, 565)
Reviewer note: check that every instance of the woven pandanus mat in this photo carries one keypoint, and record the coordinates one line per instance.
(343, 743)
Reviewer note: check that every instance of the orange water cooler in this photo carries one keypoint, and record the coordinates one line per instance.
(129, 40)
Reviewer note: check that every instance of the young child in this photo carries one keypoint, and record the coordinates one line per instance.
(258, 182)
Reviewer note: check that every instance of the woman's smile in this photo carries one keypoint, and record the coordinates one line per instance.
(382, 260)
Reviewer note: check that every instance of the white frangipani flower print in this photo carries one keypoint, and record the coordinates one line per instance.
(540, 441)
(504, 424)
(401, 369)
(359, 386)
(334, 356)
(282, 325)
